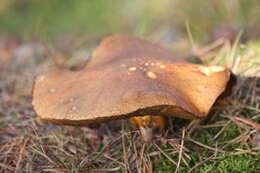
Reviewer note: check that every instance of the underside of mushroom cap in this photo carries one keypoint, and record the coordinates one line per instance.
(128, 83)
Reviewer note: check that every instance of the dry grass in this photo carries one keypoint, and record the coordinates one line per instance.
(227, 140)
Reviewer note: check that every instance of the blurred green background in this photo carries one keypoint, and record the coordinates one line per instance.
(153, 19)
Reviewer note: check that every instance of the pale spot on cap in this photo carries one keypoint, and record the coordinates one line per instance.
(162, 66)
(131, 68)
(151, 75)
(41, 78)
(52, 90)
(74, 108)
(209, 70)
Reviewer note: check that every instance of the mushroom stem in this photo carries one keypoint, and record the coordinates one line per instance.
(147, 124)
(146, 133)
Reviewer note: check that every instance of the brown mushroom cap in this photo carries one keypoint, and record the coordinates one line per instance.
(128, 77)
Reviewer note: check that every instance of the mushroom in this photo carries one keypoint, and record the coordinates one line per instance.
(129, 78)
